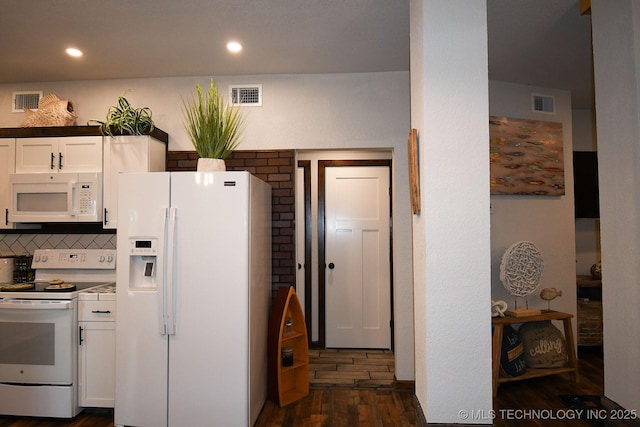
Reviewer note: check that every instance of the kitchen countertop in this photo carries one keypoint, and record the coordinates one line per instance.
(101, 293)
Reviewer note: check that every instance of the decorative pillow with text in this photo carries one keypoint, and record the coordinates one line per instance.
(512, 363)
(544, 345)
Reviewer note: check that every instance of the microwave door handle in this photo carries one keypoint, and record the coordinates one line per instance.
(72, 199)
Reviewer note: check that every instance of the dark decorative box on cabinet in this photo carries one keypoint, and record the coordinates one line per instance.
(288, 351)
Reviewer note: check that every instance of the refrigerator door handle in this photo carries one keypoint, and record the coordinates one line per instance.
(171, 283)
(162, 283)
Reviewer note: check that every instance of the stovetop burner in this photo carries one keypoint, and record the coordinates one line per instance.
(64, 273)
(47, 287)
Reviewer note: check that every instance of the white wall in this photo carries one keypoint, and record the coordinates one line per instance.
(584, 131)
(616, 29)
(588, 250)
(417, 37)
(547, 221)
(452, 264)
(299, 111)
(304, 112)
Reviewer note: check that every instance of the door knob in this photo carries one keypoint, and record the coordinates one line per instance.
(331, 266)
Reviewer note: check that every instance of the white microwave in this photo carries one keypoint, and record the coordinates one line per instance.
(56, 197)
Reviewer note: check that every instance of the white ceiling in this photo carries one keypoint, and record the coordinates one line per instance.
(539, 42)
(543, 43)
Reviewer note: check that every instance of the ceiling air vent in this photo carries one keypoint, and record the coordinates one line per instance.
(246, 95)
(25, 99)
(543, 104)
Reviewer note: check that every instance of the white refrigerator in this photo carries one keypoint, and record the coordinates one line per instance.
(193, 297)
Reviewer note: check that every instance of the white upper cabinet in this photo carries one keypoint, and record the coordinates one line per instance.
(75, 149)
(53, 155)
(7, 166)
(127, 154)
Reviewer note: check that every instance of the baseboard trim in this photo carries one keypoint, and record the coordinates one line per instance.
(611, 405)
(404, 385)
(421, 420)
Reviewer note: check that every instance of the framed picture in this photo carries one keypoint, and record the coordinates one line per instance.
(414, 175)
(526, 157)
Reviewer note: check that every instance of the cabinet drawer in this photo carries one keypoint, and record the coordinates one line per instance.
(97, 311)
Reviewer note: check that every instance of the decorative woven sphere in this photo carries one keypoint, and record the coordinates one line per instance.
(521, 269)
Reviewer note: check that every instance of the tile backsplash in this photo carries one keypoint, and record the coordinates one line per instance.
(23, 244)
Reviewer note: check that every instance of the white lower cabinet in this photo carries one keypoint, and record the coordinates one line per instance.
(97, 350)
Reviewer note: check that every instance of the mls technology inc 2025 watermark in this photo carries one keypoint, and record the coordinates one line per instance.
(548, 414)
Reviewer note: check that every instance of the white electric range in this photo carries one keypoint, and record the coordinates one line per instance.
(39, 331)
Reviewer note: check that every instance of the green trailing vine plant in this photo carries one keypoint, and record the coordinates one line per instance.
(123, 119)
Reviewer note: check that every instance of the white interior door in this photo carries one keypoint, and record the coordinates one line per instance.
(357, 254)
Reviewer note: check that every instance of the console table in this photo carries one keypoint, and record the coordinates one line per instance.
(572, 363)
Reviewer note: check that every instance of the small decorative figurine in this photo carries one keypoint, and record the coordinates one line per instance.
(498, 308)
(52, 111)
(596, 271)
(549, 294)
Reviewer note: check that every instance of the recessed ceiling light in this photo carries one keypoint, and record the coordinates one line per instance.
(72, 51)
(234, 47)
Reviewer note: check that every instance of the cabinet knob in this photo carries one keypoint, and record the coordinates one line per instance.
(331, 266)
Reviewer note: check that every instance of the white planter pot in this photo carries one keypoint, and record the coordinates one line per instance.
(211, 165)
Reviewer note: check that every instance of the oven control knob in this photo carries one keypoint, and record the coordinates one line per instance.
(110, 258)
(36, 258)
(102, 258)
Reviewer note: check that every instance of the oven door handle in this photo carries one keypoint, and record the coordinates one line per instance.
(34, 305)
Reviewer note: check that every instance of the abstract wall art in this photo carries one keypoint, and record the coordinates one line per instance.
(526, 157)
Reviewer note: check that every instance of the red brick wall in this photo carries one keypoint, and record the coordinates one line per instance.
(277, 168)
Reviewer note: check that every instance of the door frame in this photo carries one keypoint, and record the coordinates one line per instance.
(305, 165)
(322, 165)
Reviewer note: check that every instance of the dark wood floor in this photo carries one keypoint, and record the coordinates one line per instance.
(87, 418)
(387, 407)
(545, 394)
(343, 408)
(539, 402)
